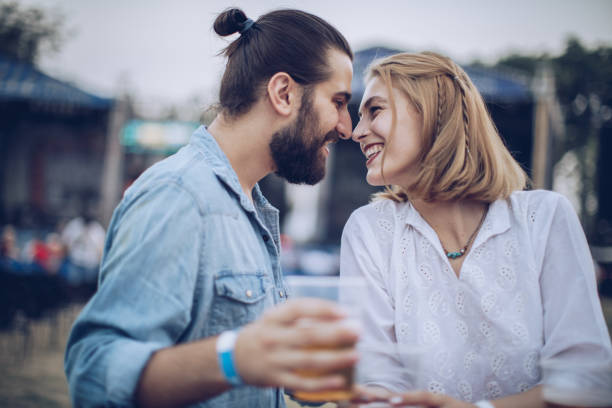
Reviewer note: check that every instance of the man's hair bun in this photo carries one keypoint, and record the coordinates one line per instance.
(229, 22)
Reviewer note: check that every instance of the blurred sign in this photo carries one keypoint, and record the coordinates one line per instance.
(160, 137)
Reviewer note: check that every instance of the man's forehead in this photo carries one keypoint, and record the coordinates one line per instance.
(341, 68)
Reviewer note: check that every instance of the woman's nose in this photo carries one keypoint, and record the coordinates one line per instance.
(359, 132)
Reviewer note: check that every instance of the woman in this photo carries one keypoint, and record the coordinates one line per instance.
(485, 279)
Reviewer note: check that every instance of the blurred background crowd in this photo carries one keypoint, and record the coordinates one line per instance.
(42, 270)
(70, 146)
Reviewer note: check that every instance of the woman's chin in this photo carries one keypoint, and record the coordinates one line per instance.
(374, 180)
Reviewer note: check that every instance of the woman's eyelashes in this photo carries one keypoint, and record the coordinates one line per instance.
(370, 111)
(373, 110)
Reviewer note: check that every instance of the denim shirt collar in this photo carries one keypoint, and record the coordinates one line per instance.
(220, 164)
(218, 161)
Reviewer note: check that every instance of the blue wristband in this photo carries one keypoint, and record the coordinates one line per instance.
(225, 354)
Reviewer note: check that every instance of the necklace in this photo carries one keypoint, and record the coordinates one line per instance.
(461, 252)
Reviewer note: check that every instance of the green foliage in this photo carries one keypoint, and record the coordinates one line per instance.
(27, 33)
(583, 80)
(525, 63)
(579, 73)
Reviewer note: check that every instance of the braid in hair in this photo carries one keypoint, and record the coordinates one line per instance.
(441, 103)
(466, 123)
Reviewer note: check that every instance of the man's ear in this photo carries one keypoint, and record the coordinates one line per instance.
(283, 93)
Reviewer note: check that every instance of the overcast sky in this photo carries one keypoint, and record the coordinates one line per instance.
(165, 51)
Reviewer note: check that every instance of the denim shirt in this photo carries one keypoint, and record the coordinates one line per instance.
(187, 256)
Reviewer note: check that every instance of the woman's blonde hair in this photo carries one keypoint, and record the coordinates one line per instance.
(463, 156)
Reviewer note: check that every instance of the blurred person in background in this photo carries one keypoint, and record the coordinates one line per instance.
(191, 257)
(8, 244)
(9, 251)
(35, 255)
(488, 280)
(44, 257)
(57, 253)
(83, 238)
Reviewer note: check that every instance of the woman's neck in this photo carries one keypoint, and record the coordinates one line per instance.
(454, 222)
(449, 213)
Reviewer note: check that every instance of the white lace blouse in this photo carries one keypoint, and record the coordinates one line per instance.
(526, 293)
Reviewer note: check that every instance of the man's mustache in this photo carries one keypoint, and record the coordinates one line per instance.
(332, 137)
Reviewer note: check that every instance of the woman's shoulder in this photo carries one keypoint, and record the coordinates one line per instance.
(538, 198)
(375, 225)
(383, 213)
(380, 208)
(537, 205)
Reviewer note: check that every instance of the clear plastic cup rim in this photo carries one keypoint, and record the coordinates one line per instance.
(323, 281)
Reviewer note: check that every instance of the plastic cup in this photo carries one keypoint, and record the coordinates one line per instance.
(387, 365)
(348, 293)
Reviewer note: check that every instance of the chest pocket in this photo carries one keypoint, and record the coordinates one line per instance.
(240, 298)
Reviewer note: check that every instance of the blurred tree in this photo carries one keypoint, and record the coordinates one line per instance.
(584, 89)
(27, 33)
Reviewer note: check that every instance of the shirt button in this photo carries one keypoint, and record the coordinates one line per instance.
(249, 293)
(266, 238)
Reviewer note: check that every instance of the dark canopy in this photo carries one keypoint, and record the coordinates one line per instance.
(21, 81)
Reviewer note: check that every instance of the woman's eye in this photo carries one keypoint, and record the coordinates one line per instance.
(374, 110)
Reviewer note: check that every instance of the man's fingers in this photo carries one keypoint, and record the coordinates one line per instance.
(294, 381)
(308, 323)
(321, 361)
(301, 335)
(313, 334)
(295, 309)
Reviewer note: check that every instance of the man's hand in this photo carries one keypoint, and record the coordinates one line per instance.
(272, 350)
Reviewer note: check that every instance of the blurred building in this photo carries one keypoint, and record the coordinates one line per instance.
(53, 139)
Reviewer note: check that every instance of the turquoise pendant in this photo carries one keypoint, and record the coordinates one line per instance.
(453, 255)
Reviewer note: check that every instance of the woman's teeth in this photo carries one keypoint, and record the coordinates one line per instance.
(372, 150)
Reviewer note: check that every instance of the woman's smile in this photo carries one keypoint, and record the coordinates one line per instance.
(372, 151)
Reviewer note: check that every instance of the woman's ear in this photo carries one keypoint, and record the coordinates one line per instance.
(283, 93)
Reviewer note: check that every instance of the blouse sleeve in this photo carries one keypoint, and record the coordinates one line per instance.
(576, 339)
(360, 256)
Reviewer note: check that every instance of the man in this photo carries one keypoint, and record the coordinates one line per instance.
(192, 251)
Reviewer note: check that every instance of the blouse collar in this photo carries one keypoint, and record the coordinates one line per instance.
(497, 221)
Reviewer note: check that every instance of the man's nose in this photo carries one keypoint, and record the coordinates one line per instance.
(344, 125)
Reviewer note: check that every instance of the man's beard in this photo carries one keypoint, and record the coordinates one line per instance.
(296, 149)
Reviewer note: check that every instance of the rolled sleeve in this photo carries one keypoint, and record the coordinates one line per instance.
(576, 338)
(144, 299)
(126, 363)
